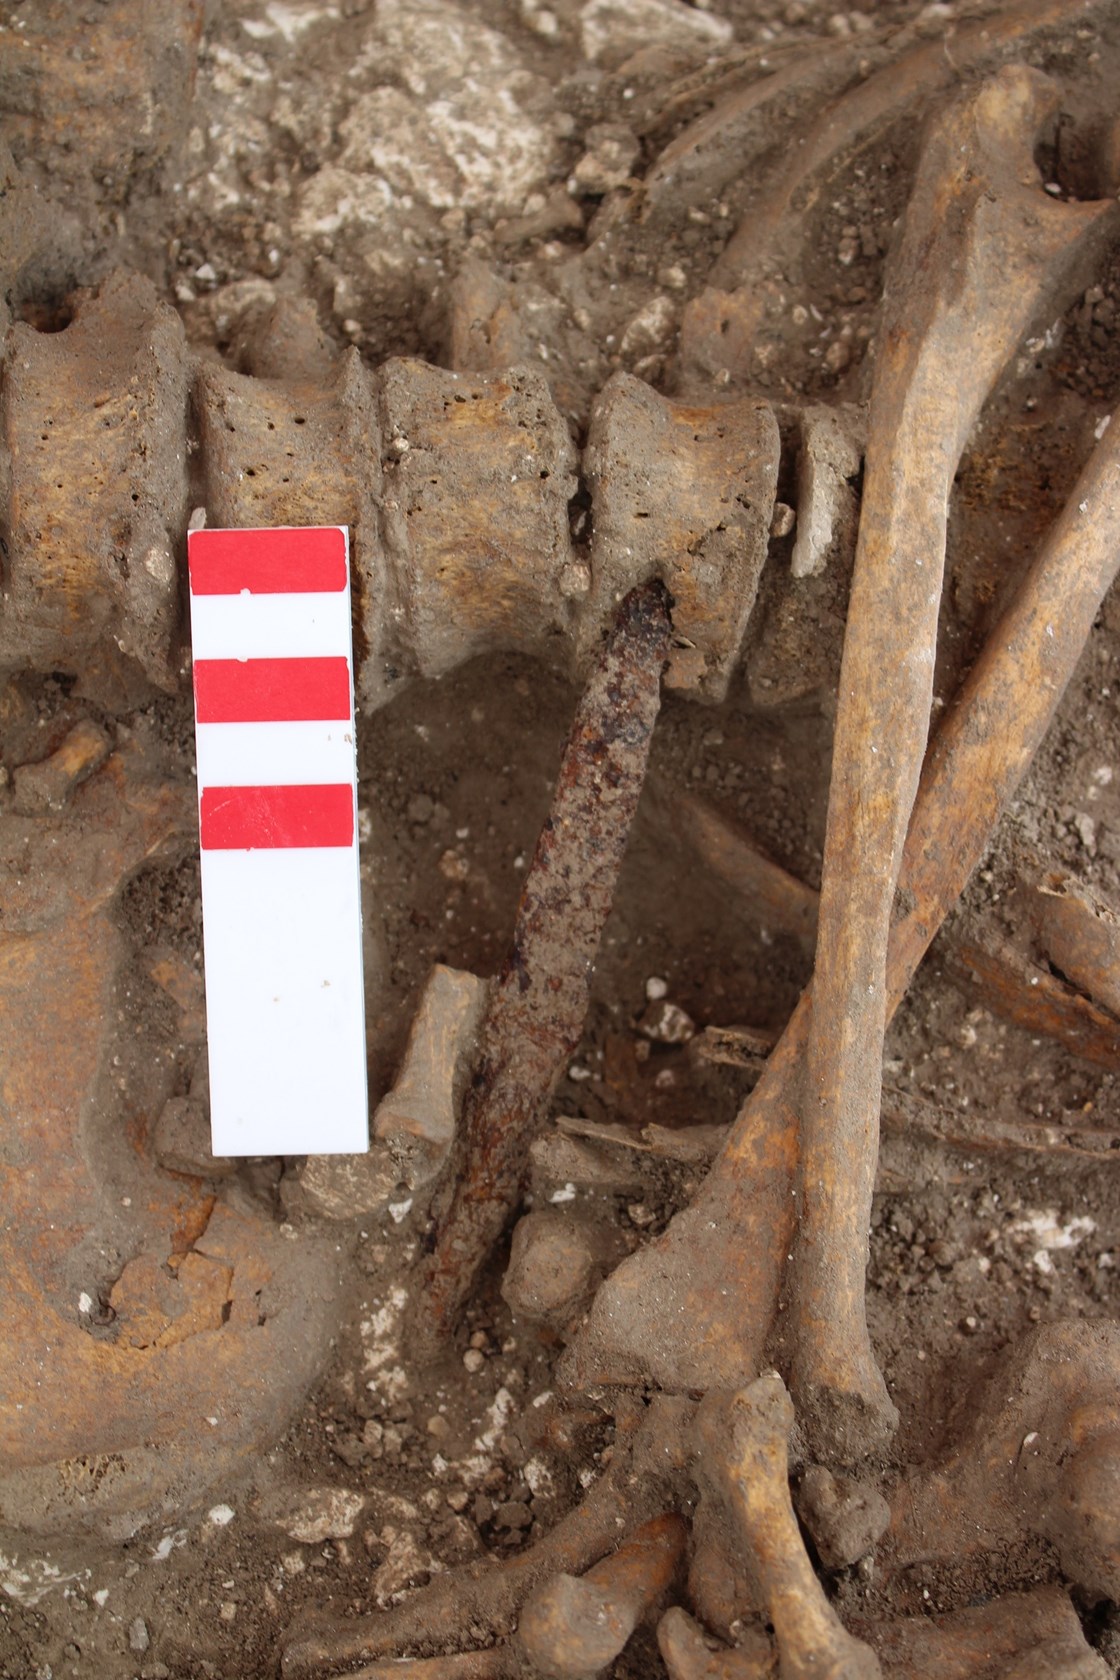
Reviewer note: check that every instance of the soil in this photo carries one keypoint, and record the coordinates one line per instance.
(360, 155)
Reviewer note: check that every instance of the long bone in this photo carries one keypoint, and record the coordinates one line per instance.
(743, 1442)
(696, 1307)
(999, 249)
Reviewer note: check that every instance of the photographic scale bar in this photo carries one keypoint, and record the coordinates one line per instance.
(277, 785)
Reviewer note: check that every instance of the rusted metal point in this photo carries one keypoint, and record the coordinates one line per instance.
(536, 1015)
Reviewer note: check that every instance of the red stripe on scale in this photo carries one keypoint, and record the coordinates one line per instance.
(272, 690)
(236, 819)
(282, 561)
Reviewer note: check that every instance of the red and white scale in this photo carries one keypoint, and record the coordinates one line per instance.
(277, 785)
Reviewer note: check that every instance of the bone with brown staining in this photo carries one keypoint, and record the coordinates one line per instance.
(416, 1119)
(571, 1628)
(1040, 1453)
(781, 902)
(645, 1476)
(537, 1010)
(743, 1442)
(1005, 981)
(456, 489)
(1080, 934)
(1026, 1636)
(722, 327)
(697, 1306)
(999, 250)
(690, 1654)
(209, 1304)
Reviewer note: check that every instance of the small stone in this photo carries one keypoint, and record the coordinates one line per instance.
(609, 161)
(228, 1611)
(783, 520)
(656, 988)
(419, 809)
(138, 1636)
(437, 1427)
(323, 1513)
(610, 30)
(458, 1499)
(473, 1361)
(667, 1023)
(650, 329)
(512, 1513)
(556, 1263)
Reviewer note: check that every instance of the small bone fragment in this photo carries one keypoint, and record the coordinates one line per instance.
(690, 1654)
(743, 1441)
(846, 1517)
(828, 459)
(538, 1006)
(416, 1119)
(556, 1263)
(571, 1628)
(49, 784)
(674, 1312)
(981, 251)
(1081, 936)
(646, 1472)
(485, 326)
(1026, 1636)
(560, 1164)
(684, 1143)
(908, 1118)
(1012, 986)
(1041, 1451)
(742, 1047)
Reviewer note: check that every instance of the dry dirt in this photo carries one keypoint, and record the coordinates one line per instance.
(360, 154)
